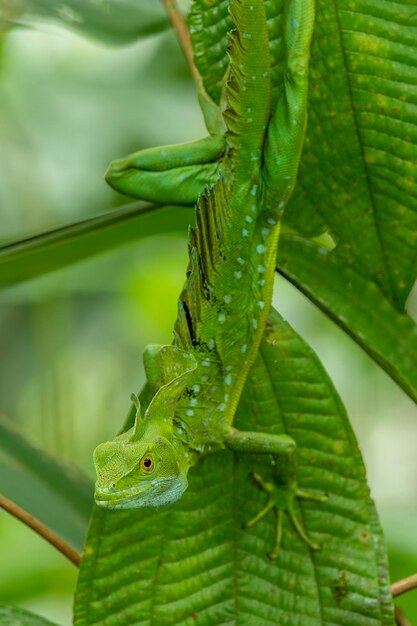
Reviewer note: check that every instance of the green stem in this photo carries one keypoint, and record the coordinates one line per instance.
(400, 618)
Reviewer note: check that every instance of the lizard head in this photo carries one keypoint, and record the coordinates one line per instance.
(142, 471)
(143, 466)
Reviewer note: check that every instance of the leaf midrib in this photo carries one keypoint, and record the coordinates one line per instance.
(359, 137)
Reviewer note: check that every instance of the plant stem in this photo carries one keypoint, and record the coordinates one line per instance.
(41, 529)
(183, 35)
(404, 585)
(400, 618)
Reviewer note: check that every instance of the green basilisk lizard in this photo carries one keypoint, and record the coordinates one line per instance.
(245, 171)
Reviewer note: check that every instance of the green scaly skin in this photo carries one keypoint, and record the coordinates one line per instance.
(249, 172)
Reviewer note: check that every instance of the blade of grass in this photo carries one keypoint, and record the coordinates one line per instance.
(46, 252)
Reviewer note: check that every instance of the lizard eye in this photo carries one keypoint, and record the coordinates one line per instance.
(147, 463)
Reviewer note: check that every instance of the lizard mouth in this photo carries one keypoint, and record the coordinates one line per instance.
(130, 498)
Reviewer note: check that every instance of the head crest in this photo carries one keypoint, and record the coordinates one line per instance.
(170, 368)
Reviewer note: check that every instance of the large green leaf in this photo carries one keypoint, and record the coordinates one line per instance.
(13, 616)
(58, 494)
(358, 169)
(26, 259)
(356, 304)
(193, 563)
(112, 21)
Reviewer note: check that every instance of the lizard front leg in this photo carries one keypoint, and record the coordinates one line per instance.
(283, 490)
(168, 174)
(175, 174)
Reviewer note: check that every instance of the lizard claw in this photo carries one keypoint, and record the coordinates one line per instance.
(281, 499)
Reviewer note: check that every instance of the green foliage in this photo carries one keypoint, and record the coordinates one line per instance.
(113, 21)
(11, 616)
(50, 251)
(356, 305)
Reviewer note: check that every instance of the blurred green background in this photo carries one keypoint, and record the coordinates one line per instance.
(71, 341)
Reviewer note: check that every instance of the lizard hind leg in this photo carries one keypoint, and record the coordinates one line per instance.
(282, 499)
(283, 490)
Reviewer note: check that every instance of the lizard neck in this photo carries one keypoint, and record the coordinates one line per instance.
(253, 295)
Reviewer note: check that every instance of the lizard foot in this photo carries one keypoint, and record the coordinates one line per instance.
(281, 499)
